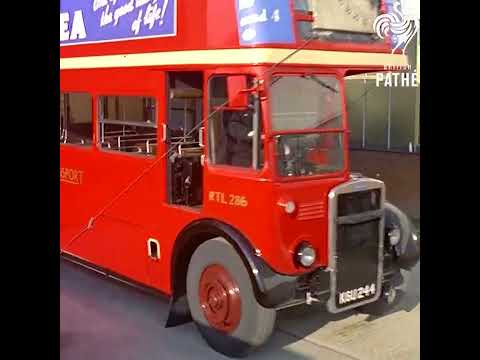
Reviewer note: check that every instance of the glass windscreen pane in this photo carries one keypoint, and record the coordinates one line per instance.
(317, 103)
(309, 154)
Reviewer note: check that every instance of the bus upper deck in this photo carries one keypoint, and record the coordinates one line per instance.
(129, 33)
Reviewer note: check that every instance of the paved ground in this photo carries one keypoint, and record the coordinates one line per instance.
(103, 319)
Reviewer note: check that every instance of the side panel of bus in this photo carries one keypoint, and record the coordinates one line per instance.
(126, 212)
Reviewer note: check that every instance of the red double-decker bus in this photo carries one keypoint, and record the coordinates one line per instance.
(204, 154)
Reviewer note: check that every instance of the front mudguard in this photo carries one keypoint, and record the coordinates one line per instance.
(271, 289)
(410, 252)
(407, 251)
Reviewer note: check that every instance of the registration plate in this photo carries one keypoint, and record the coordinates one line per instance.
(363, 292)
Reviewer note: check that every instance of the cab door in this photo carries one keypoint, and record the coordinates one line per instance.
(237, 189)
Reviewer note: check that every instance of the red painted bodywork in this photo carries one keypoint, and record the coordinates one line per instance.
(118, 238)
(206, 24)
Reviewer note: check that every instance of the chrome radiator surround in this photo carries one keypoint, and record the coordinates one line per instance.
(353, 185)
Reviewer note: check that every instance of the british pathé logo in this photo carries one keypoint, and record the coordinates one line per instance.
(394, 24)
(71, 176)
(400, 77)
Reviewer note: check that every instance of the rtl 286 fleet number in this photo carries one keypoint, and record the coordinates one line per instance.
(227, 199)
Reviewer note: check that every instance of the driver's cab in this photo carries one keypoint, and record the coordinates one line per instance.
(273, 141)
(286, 126)
(301, 115)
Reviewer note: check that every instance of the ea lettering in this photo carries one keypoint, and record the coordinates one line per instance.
(72, 26)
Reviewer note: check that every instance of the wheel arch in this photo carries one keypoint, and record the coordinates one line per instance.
(196, 233)
(408, 248)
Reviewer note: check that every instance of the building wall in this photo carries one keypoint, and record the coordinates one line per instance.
(399, 171)
(384, 117)
(385, 136)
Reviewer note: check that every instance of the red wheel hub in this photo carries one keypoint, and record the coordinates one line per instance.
(220, 298)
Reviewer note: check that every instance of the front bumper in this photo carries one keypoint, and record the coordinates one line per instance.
(282, 292)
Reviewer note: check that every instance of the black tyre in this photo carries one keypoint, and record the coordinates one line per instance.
(222, 300)
(408, 248)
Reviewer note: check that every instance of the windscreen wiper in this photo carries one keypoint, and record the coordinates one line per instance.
(328, 120)
(320, 82)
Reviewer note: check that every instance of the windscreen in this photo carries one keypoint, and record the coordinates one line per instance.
(300, 103)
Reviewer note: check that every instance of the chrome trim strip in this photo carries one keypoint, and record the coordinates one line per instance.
(354, 185)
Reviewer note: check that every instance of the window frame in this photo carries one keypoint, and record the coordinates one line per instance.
(302, 16)
(100, 121)
(260, 144)
(342, 95)
(91, 143)
(344, 130)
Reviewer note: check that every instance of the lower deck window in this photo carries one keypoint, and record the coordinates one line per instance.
(128, 124)
(76, 118)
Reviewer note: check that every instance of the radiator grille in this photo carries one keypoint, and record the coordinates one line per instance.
(358, 202)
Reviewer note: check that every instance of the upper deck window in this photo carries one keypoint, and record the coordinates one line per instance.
(76, 118)
(128, 124)
(338, 20)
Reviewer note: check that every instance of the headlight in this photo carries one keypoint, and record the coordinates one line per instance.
(394, 236)
(289, 206)
(305, 255)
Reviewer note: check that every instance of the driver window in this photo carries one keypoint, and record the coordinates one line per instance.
(231, 124)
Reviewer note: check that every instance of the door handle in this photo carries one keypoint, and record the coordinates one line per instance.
(200, 136)
(164, 132)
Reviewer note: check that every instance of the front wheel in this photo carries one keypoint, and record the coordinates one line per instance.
(222, 300)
